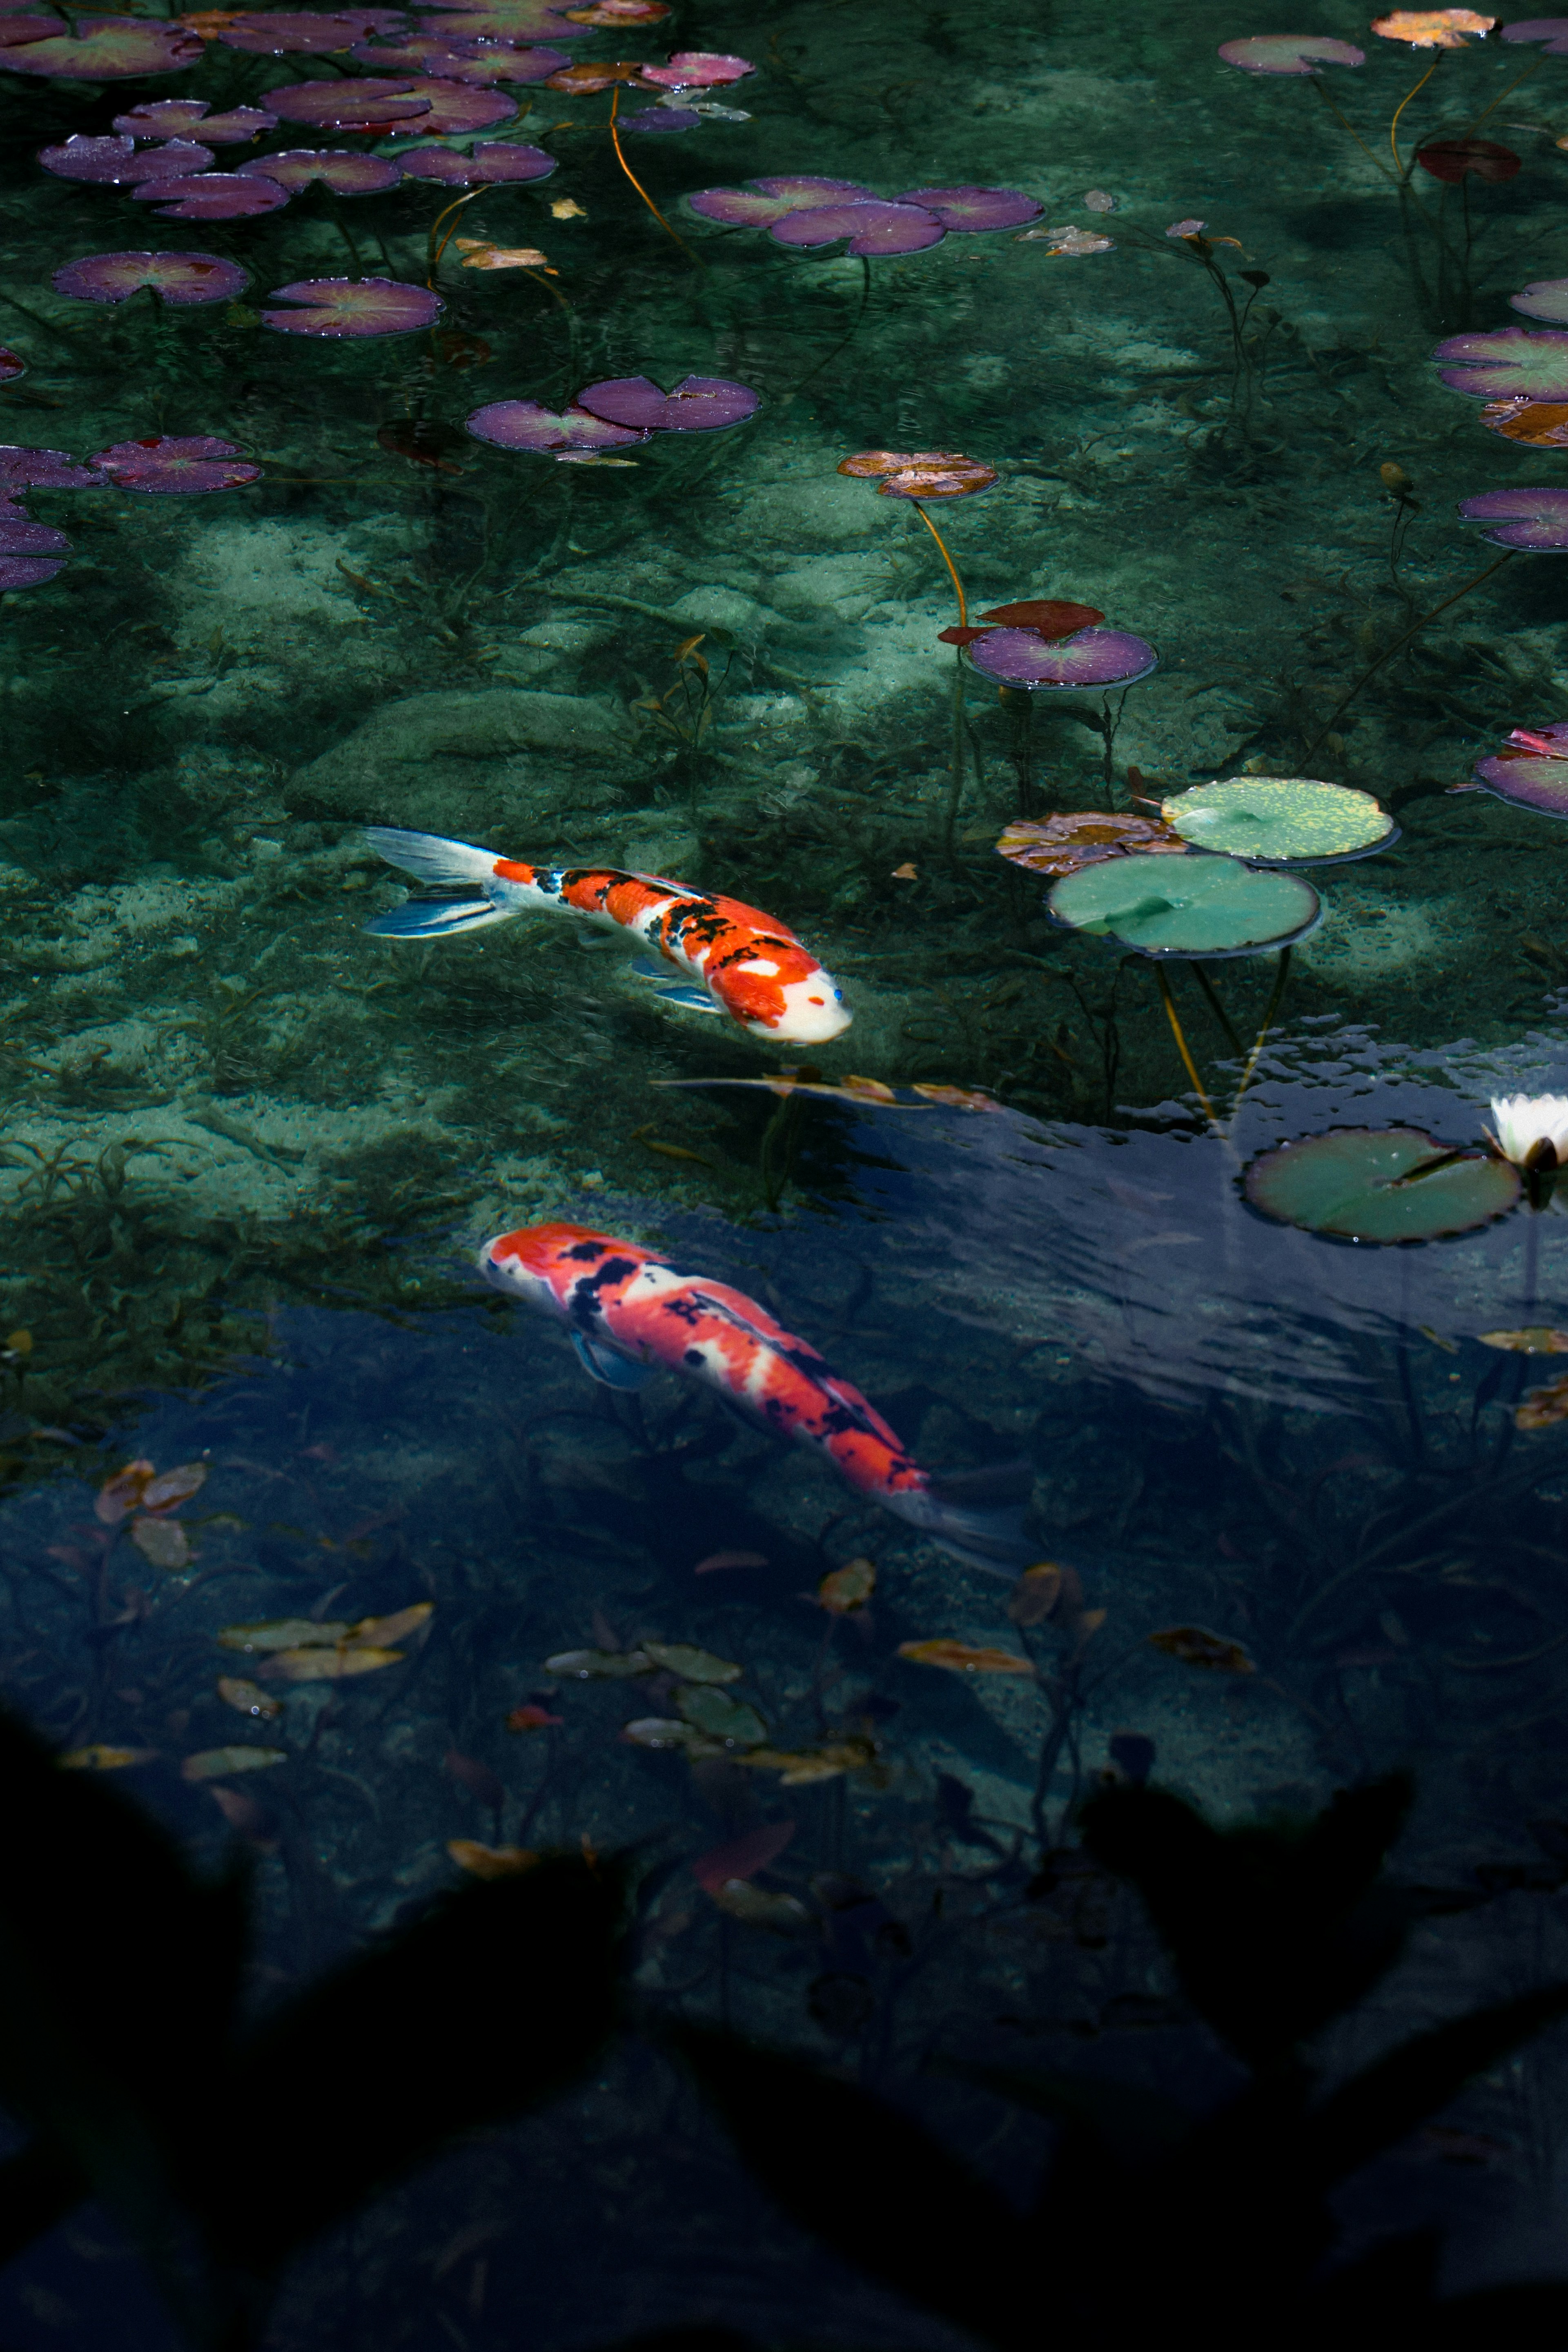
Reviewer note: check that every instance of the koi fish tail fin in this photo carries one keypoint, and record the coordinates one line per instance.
(435, 860)
(977, 1515)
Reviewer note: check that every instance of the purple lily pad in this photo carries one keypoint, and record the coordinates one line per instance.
(699, 404)
(699, 69)
(15, 30)
(505, 20)
(1095, 657)
(175, 277)
(181, 118)
(761, 201)
(342, 308)
(280, 33)
(525, 424)
(182, 463)
(872, 228)
(491, 161)
(343, 171)
(12, 365)
(116, 161)
(1507, 362)
(1534, 520)
(27, 571)
(464, 58)
(456, 107)
(1545, 298)
(109, 48)
(40, 470)
(1291, 53)
(976, 210)
(349, 105)
(20, 537)
(1539, 783)
(211, 196)
(1551, 30)
(662, 118)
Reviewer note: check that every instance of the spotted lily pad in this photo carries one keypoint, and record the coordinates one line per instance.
(177, 277)
(697, 70)
(1207, 906)
(342, 308)
(175, 463)
(1281, 820)
(1089, 661)
(1289, 53)
(40, 470)
(107, 48)
(1505, 363)
(1536, 520)
(1380, 1184)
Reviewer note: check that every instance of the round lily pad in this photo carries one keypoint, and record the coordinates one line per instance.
(1281, 820)
(1196, 906)
(1533, 781)
(1380, 1184)
(1092, 660)
(1289, 53)
(1506, 362)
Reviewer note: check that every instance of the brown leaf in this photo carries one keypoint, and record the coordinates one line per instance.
(529, 1717)
(1540, 423)
(249, 1698)
(316, 1664)
(965, 1657)
(280, 1634)
(212, 1763)
(170, 1489)
(718, 1559)
(163, 1541)
(1074, 837)
(119, 1495)
(1194, 1645)
(490, 1860)
(848, 1588)
(1535, 1340)
(583, 80)
(101, 1758)
(1542, 1407)
(1036, 1594)
(381, 1633)
(1048, 616)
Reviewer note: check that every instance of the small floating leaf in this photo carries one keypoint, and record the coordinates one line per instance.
(1193, 905)
(714, 1713)
(1194, 1645)
(280, 1634)
(1289, 53)
(316, 1664)
(99, 1758)
(171, 1487)
(1380, 1184)
(1535, 1340)
(490, 1860)
(163, 1542)
(692, 1665)
(848, 1588)
(599, 1665)
(1539, 424)
(1036, 1594)
(718, 1559)
(965, 1657)
(1086, 662)
(249, 1698)
(1281, 820)
(212, 1763)
(1073, 838)
(1542, 1407)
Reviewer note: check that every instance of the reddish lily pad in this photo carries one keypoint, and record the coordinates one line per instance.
(1545, 298)
(761, 201)
(1538, 423)
(175, 463)
(456, 107)
(183, 118)
(976, 210)
(699, 69)
(29, 570)
(1092, 660)
(1552, 31)
(491, 161)
(40, 470)
(177, 277)
(115, 162)
(872, 226)
(1507, 363)
(1536, 520)
(1532, 779)
(342, 169)
(921, 473)
(278, 33)
(526, 425)
(343, 307)
(363, 105)
(14, 30)
(507, 20)
(211, 196)
(1453, 159)
(699, 404)
(464, 58)
(11, 366)
(1289, 53)
(107, 48)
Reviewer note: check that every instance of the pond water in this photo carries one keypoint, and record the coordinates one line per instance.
(250, 1152)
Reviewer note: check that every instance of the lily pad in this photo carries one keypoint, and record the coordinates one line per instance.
(1092, 660)
(186, 117)
(1530, 781)
(719, 1717)
(12, 365)
(1505, 363)
(761, 201)
(341, 307)
(1543, 298)
(1281, 820)
(173, 277)
(462, 58)
(1536, 520)
(1196, 906)
(694, 1665)
(870, 226)
(547, 432)
(699, 404)
(1453, 159)
(114, 162)
(175, 463)
(344, 105)
(492, 160)
(1074, 837)
(1552, 31)
(975, 211)
(107, 48)
(1380, 1184)
(456, 107)
(346, 172)
(1289, 53)
(211, 196)
(697, 70)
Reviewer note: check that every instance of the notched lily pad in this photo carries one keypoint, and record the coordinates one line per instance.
(1193, 905)
(1380, 1184)
(1281, 820)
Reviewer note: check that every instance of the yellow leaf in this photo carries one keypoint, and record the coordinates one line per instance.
(799, 1767)
(848, 1588)
(1036, 1594)
(566, 208)
(379, 1632)
(1535, 1340)
(320, 1666)
(965, 1657)
(490, 1860)
(19, 1343)
(1194, 1645)
(281, 1633)
(99, 1758)
(1544, 1406)
(249, 1698)
(480, 255)
(212, 1763)
(786, 1914)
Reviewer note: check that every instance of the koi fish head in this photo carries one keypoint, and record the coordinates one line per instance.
(545, 1265)
(779, 991)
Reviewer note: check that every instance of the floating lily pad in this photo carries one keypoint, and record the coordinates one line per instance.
(278, 33)
(1532, 783)
(1380, 1184)
(975, 211)
(175, 463)
(719, 1717)
(528, 424)
(30, 552)
(1074, 837)
(12, 365)
(173, 277)
(1281, 820)
(211, 196)
(1551, 31)
(661, 120)
(1207, 906)
(1536, 520)
(107, 48)
(699, 404)
(1505, 363)
(115, 162)
(761, 201)
(456, 107)
(697, 70)
(1289, 53)
(1092, 660)
(341, 307)
(344, 105)
(870, 226)
(185, 118)
(463, 58)
(1453, 159)
(346, 172)
(492, 160)
(1543, 298)
(1538, 423)
(40, 470)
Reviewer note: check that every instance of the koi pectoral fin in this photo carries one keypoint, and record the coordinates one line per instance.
(603, 1364)
(429, 918)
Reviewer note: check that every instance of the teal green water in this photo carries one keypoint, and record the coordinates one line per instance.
(248, 1152)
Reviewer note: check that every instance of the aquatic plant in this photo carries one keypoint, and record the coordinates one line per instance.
(1073, 838)
(105, 48)
(1289, 53)
(800, 210)
(490, 163)
(173, 463)
(568, 435)
(12, 365)
(30, 552)
(179, 118)
(114, 162)
(1281, 821)
(1534, 520)
(341, 169)
(279, 32)
(1087, 661)
(1201, 907)
(1531, 771)
(177, 277)
(362, 104)
(1453, 159)
(699, 404)
(1373, 1185)
(1509, 362)
(462, 58)
(341, 309)
(211, 195)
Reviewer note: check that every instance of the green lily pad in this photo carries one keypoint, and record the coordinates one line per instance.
(1186, 906)
(1380, 1184)
(719, 1716)
(1281, 820)
(693, 1666)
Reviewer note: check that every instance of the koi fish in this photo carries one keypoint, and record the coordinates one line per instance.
(744, 962)
(630, 1313)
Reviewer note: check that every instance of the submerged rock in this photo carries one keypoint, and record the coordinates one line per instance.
(457, 763)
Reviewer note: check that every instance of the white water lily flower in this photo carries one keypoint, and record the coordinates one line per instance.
(1525, 1120)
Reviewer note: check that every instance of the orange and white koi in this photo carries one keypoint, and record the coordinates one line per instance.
(631, 1313)
(745, 963)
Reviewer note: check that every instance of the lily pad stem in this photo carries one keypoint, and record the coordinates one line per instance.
(952, 567)
(695, 259)
(1412, 631)
(1276, 997)
(1401, 168)
(1187, 1062)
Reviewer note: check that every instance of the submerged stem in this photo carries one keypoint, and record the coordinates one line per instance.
(1215, 1007)
(1280, 977)
(434, 250)
(1393, 126)
(1412, 631)
(1187, 1062)
(952, 567)
(615, 142)
(1345, 124)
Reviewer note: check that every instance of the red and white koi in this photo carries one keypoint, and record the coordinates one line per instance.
(631, 1313)
(747, 964)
